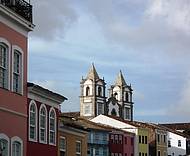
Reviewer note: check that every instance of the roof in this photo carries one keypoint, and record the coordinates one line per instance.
(40, 90)
(92, 74)
(71, 114)
(120, 81)
(177, 126)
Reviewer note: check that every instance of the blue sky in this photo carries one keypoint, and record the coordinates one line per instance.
(148, 40)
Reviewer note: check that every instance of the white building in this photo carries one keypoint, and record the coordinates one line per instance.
(176, 144)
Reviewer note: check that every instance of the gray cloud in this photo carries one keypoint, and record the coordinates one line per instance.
(52, 18)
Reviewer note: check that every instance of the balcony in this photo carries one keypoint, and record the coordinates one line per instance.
(20, 7)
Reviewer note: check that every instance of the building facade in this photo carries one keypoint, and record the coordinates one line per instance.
(72, 138)
(43, 115)
(141, 134)
(121, 143)
(15, 24)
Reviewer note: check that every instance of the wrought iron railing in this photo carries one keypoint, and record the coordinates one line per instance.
(20, 7)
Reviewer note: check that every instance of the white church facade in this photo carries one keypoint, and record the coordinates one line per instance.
(93, 99)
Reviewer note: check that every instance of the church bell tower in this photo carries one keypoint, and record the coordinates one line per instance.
(92, 98)
(120, 99)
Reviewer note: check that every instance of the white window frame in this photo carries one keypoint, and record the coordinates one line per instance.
(41, 141)
(61, 149)
(6, 43)
(32, 102)
(80, 152)
(16, 138)
(17, 48)
(55, 124)
(5, 137)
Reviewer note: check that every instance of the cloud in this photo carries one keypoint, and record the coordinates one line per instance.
(52, 18)
(181, 107)
(161, 25)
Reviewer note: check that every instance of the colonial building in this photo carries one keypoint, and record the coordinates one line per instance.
(72, 137)
(121, 143)
(93, 100)
(15, 24)
(43, 116)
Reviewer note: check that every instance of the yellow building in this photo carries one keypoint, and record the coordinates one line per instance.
(142, 134)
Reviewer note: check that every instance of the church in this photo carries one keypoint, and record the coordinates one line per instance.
(94, 100)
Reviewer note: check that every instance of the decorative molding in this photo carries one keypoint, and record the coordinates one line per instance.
(13, 112)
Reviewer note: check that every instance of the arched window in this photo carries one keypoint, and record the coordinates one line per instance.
(87, 91)
(32, 121)
(43, 124)
(4, 65)
(52, 127)
(16, 146)
(4, 145)
(113, 112)
(116, 95)
(99, 91)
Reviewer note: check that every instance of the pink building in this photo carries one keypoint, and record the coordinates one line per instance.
(15, 23)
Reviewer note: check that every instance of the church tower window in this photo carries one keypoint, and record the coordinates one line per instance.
(87, 91)
(99, 91)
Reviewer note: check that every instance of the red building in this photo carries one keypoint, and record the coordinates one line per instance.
(43, 113)
(121, 143)
(15, 23)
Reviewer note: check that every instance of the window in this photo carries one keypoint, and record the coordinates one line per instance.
(145, 139)
(78, 148)
(125, 140)
(164, 138)
(100, 109)
(87, 91)
(97, 152)
(96, 137)
(99, 91)
(4, 67)
(169, 143)
(116, 95)
(158, 153)
(120, 139)
(17, 71)
(127, 113)
(62, 146)
(132, 141)
(17, 146)
(179, 143)
(43, 124)
(139, 153)
(139, 139)
(52, 127)
(32, 121)
(113, 112)
(158, 137)
(105, 138)
(4, 145)
(126, 96)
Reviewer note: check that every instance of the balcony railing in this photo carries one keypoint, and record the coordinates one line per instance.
(20, 7)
